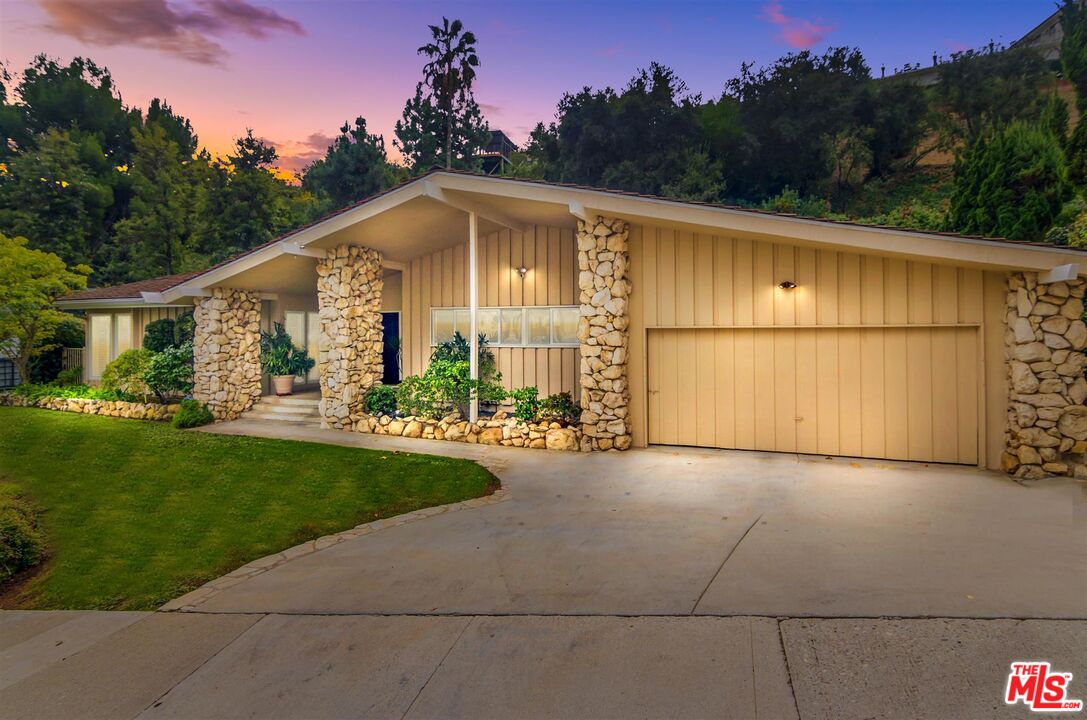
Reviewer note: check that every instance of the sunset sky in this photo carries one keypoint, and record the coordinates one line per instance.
(295, 71)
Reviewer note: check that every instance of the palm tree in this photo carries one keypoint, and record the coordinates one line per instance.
(450, 72)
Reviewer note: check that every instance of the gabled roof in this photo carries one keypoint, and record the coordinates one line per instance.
(486, 195)
(130, 291)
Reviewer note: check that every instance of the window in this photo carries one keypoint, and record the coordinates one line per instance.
(110, 335)
(304, 327)
(530, 326)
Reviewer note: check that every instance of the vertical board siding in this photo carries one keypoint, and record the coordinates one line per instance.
(440, 279)
(841, 390)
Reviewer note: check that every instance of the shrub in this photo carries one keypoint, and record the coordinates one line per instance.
(279, 356)
(415, 396)
(71, 376)
(39, 392)
(21, 541)
(1009, 183)
(453, 385)
(192, 414)
(459, 350)
(169, 373)
(380, 400)
(125, 374)
(561, 408)
(159, 335)
(526, 403)
(184, 329)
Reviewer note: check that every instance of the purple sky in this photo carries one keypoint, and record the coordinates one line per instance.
(295, 71)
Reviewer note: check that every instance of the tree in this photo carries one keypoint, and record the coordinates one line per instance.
(449, 73)
(796, 113)
(30, 282)
(80, 96)
(177, 127)
(420, 133)
(59, 194)
(1074, 64)
(354, 167)
(1009, 182)
(644, 139)
(156, 234)
(980, 90)
(242, 203)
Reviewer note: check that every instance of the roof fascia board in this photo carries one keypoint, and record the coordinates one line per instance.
(874, 239)
(115, 303)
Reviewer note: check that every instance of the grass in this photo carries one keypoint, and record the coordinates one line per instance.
(136, 513)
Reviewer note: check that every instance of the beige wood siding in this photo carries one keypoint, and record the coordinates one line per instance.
(142, 317)
(441, 280)
(688, 280)
(902, 393)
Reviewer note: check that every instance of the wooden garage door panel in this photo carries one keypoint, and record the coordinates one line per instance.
(899, 393)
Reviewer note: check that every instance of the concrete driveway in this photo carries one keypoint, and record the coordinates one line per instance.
(704, 532)
(592, 591)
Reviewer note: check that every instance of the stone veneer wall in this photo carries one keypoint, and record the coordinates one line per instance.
(87, 406)
(603, 331)
(1044, 340)
(226, 352)
(498, 430)
(349, 283)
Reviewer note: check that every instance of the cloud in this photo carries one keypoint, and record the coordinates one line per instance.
(296, 155)
(610, 51)
(186, 31)
(795, 32)
(489, 109)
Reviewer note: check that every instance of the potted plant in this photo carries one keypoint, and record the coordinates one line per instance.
(282, 360)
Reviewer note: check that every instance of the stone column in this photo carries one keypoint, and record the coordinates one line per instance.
(1044, 338)
(226, 352)
(603, 258)
(349, 285)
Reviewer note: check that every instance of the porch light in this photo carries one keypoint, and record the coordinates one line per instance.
(786, 285)
(522, 271)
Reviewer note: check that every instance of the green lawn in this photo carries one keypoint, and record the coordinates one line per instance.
(137, 513)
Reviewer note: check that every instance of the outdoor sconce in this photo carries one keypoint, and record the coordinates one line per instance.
(786, 285)
(522, 271)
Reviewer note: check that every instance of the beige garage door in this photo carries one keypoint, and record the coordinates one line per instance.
(899, 393)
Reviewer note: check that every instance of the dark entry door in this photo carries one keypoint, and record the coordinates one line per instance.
(390, 335)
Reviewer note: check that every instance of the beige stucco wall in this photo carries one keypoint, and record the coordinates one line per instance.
(687, 280)
(441, 280)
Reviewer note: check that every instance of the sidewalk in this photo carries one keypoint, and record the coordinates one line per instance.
(186, 665)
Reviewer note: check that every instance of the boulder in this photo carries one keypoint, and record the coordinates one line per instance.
(561, 439)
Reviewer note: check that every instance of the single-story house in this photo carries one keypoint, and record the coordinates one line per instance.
(672, 322)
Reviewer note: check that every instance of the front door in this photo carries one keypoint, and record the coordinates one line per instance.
(390, 356)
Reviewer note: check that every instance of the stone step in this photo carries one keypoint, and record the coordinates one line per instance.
(286, 409)
(289, 400)
(313, 419)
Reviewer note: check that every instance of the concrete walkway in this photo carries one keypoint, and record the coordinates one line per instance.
(660, 583)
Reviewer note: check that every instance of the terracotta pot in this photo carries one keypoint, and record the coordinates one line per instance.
(283, 384)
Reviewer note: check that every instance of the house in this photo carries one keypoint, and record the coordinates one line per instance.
(673, 323)
(496, 156)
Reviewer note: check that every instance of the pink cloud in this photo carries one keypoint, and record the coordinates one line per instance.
(610, 51)
(185, 31)
(795, 32)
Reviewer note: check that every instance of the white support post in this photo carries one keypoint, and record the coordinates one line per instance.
(473, 309)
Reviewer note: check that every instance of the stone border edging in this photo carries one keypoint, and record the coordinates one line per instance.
(91, 406)
(190, 600)
(501, 430)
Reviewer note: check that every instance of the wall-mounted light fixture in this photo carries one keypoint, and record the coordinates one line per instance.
(522, 271)
(786, 285)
